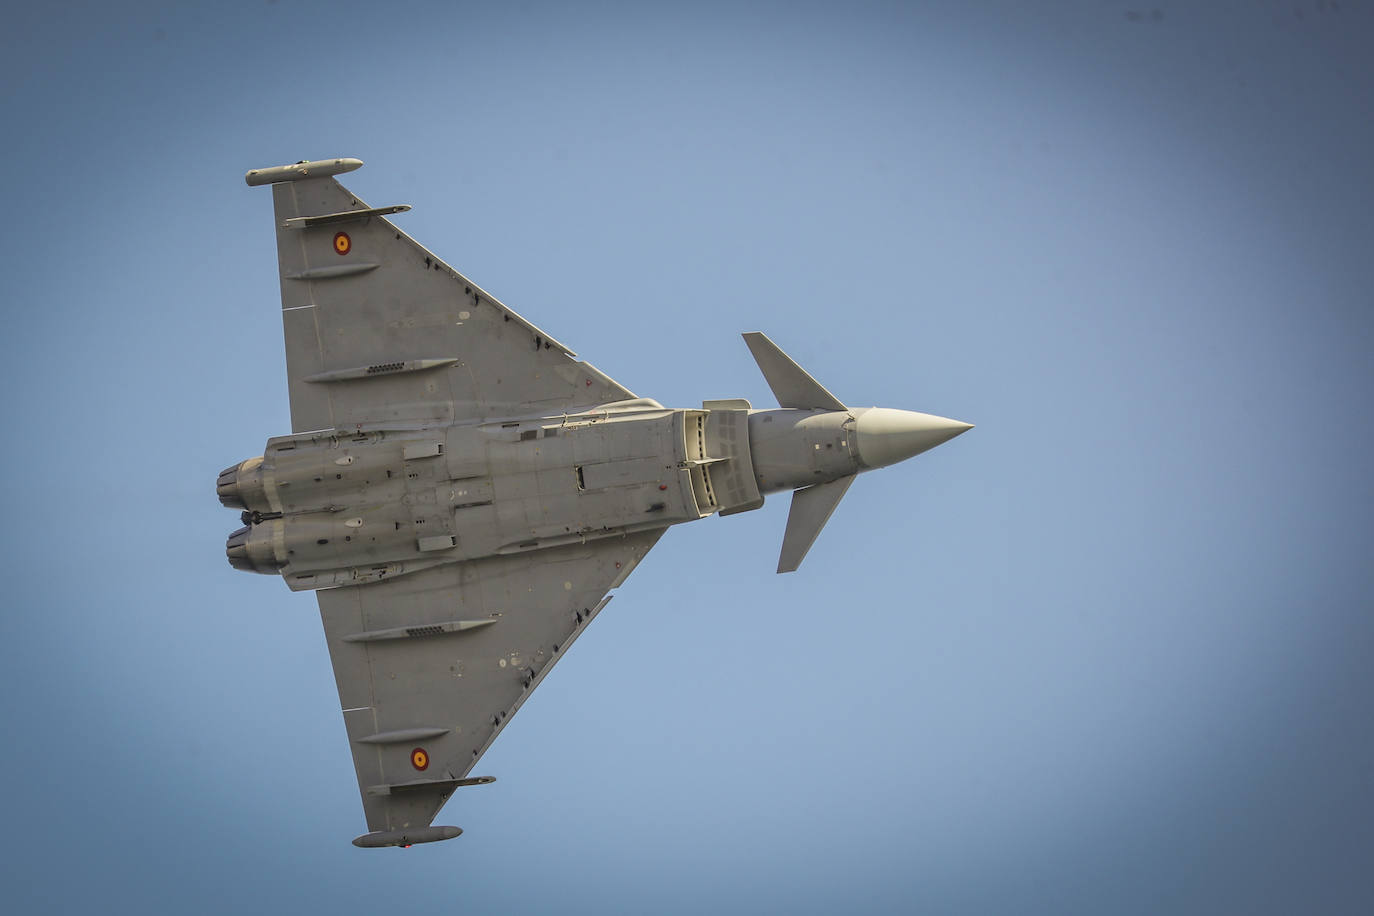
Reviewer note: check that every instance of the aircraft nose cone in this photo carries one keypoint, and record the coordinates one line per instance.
(885, 436)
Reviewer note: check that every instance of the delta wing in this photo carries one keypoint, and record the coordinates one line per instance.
(380, 332)
(431, 666)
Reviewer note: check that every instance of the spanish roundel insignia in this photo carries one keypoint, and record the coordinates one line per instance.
(342, 243)
(419, 758)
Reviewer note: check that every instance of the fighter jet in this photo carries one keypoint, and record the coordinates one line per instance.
(462, 493)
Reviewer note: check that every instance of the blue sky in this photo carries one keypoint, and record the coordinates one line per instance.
(1108, 652)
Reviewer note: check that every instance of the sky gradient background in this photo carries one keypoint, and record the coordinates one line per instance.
(1109, 652)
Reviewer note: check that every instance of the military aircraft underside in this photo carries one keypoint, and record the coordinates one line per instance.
(462, 493)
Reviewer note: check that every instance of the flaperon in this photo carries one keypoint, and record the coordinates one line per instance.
(463, 493)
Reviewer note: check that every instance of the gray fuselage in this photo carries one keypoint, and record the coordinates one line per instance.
(326, 509)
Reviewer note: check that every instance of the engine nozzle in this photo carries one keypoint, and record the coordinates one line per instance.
(250, 549)
(241, 487)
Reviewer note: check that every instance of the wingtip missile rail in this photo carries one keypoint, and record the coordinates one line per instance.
(318, 168)
(407, 837)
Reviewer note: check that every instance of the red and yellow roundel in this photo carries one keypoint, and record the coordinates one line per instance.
(419, 758)
(342, 243)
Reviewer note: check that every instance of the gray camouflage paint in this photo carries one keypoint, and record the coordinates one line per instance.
(462, 492)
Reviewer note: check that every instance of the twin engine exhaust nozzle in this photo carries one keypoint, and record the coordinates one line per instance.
(250, 548)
